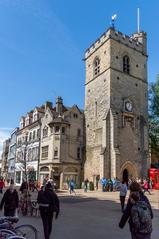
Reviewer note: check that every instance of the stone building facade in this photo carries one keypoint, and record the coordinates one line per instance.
(62, 144)
(28, 145)
(116, 110)
(12, 154)
(4, 164)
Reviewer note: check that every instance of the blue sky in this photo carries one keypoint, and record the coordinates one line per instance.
(42, 44)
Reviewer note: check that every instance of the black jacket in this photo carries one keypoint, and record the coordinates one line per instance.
(49, 197)
(127, 212)
(10, 200)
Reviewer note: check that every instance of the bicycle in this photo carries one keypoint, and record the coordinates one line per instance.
(25, 231)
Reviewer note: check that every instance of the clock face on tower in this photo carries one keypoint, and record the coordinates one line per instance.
(128, 106)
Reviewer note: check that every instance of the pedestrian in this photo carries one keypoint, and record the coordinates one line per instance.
(86, 181)
(23, 187)
(146, 186)
(72, 186)
(109, 185)
(123, 192)
(97, 181)
(134, 187)
(10, 201)
(104, 184)
(1, 185)
(141, 217)
(48, 204)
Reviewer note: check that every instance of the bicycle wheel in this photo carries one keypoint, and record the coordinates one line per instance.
(6, 234)
(27, 231)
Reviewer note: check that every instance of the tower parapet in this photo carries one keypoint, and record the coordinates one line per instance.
(137, 41)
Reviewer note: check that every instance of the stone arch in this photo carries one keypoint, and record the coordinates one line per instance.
(71, 169)
(44, 169)
(130, 169)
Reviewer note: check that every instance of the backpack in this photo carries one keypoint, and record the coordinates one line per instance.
(141, 218)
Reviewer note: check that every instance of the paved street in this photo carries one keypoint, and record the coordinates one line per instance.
(91, 215)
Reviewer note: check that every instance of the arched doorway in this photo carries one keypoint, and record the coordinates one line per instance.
(125, 175)
(128, 171)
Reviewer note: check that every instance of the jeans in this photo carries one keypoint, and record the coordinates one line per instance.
(122, 201)
(47, 218)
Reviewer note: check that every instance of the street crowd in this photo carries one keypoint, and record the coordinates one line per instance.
(137, 212)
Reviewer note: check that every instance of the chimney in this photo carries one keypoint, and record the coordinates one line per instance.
(48, 104)
(59, 104)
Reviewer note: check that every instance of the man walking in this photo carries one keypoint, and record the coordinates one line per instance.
(123, 192)
(48, 204)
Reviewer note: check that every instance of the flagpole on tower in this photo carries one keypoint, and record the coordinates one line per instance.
(138, 20)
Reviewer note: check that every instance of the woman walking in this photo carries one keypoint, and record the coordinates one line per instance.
(10, 201)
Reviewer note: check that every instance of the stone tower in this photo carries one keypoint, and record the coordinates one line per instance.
(116, 111)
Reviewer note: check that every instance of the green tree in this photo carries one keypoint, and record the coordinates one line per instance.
(154, 117)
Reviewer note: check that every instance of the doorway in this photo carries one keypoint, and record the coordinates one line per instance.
(125, 175)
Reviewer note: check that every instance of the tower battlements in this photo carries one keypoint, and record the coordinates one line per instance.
(135, 41)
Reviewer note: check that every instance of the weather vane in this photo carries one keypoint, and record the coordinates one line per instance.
(113, 20)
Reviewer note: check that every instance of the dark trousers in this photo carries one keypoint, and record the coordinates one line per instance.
(47, 218)
(122, 202)
(9, 212)
(140, 236)
(1, 190)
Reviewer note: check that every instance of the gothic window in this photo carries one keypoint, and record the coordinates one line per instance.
(96, 66)
(78, 153)
(45, 131)
(126, 64)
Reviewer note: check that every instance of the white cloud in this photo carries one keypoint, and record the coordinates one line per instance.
(4, 134)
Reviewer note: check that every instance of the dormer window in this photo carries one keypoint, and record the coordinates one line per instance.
(126, 64)
(27, 121)
(21, 124)
(35, 116)
(96, 65)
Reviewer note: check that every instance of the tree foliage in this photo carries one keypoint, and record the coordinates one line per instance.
(154, 116)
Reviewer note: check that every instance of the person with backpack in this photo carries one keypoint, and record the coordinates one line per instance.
(135, 187)
(48, 204)
(141, 217)
(123, 192)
